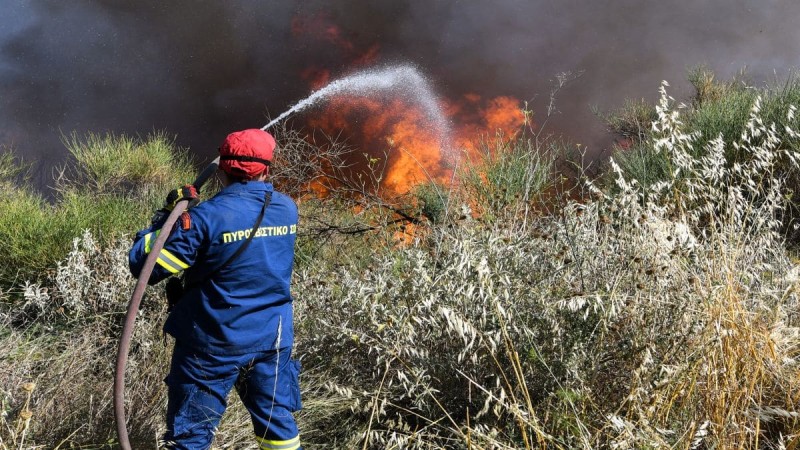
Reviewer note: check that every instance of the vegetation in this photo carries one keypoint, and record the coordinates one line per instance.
(509, 171)
(718, 109)
(110, 188)
(644, 315)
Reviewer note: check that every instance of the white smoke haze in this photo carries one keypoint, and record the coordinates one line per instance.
(202, 69)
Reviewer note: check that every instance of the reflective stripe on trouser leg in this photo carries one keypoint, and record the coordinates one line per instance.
(291, 444)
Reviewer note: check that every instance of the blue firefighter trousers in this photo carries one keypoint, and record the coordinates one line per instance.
(198, 385)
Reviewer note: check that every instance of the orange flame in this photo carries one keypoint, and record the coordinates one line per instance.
(398, 131)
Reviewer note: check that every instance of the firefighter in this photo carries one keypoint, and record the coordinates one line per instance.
(231, 313)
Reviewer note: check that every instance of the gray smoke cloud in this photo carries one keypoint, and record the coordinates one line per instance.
(200, 69)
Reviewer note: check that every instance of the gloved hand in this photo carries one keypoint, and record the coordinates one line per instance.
(187, 192)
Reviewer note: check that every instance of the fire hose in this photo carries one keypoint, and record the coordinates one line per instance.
(133, 307)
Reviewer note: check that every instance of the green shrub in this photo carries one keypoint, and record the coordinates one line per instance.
(111, 188)
(122, 164)
(632, 121)
(509, 172)
(649, 166)
(11, 167)
(433, 199)
(716, 108)
(37, 234)
(725, 115)
(32, 240)
(724, 107)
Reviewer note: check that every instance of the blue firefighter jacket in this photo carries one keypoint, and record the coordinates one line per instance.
(246, 306)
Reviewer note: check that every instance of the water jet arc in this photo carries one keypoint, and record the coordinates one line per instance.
(403, 81)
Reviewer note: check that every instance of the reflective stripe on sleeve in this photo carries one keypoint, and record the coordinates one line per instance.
(149, 239)
(170, 262)
(291, 444)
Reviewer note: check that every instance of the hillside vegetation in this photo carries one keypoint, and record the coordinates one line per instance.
(650, 309)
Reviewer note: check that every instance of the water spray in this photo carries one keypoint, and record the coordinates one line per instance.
(403, 81)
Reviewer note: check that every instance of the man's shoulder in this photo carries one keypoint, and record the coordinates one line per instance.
(223, 203)
(205, 209)
(283, 198)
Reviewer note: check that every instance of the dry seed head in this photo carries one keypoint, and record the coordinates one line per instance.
(29, 386)
(26, 414)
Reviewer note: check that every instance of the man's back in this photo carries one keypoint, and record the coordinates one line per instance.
(244, 306)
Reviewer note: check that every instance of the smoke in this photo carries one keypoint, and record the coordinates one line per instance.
(200, 69)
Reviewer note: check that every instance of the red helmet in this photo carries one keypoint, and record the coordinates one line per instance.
(246, 153)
